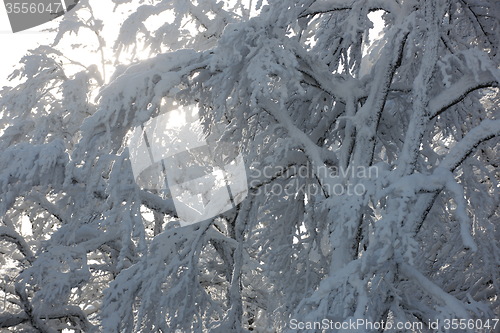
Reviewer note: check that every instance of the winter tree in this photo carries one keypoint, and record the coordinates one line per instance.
(372, 164)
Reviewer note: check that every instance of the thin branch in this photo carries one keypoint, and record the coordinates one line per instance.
(456, 93)
(12, 236)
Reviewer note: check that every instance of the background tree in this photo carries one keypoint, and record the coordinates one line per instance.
(295, 84)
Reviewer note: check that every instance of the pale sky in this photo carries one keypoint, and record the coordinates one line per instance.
(16, 45)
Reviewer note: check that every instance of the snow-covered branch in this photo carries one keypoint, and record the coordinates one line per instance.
(457, 91)
(12, 236)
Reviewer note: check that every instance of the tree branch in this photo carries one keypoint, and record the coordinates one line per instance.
(457, 92)
(12, 236)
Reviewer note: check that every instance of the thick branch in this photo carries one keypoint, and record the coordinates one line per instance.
(157, 204)
(14, 319)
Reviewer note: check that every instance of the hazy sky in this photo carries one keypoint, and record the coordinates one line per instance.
(15, 45)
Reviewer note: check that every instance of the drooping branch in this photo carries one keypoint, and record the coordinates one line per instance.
(328, 6)
(434, 290)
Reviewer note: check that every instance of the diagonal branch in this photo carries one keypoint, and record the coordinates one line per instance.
(485, 131)
(434, 290)
(312, 151)
(12, 236)
(457, 91)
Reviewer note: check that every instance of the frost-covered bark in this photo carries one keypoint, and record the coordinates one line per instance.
(293, 88)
